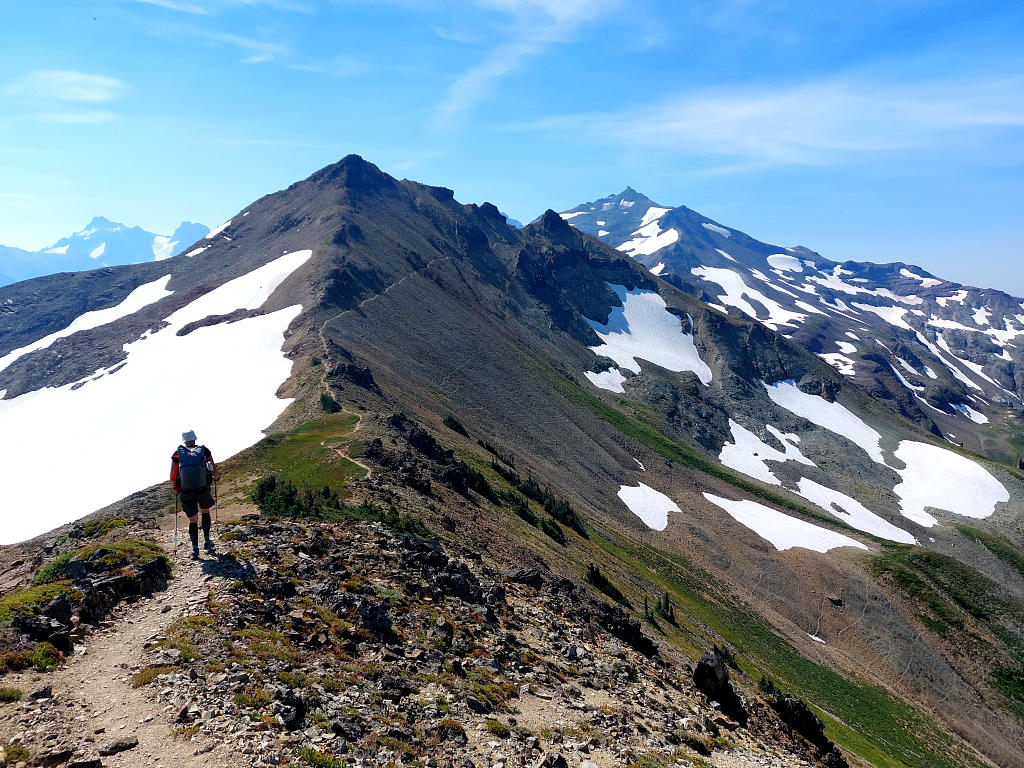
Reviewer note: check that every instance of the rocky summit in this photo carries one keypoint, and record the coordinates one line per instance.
(488, 496)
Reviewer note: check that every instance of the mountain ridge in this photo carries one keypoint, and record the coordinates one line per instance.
(700, 453)
(100, 243)
(930, 367)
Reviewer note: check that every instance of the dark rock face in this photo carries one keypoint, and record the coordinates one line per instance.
(712, 678)
(361, 377)
(798, 716)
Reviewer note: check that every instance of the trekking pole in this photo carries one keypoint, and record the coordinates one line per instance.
(216, 502)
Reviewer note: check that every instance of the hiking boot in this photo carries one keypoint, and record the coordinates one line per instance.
(208, 546)
(195, 553)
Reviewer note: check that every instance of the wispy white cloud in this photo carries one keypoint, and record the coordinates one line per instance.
(66, 86)
(207, 7)
(259, 50)
(75, 118)
(811, 123)
(526, 28)
(176, 5)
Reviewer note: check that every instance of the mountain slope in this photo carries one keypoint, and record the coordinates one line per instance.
(101, 243)
(939, 353)
(681, 449)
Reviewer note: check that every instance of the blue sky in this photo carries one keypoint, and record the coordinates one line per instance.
(882, 131)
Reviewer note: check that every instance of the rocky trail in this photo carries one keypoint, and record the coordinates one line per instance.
(88, 713)
(367, 642)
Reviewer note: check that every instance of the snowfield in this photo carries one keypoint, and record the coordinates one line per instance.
(832, 416)
(783, 531)
(736, 292)
(648, 239)
(644, 328)
(715, 228)
(131, 416)
(649, 505)
(748, 453)
(785, 262)
(935, 477)
(144, 295)
(852, 512)
(610, 379)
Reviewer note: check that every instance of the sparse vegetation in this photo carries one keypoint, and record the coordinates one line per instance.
(17, 753)
(119, 554)
(7, 695)
(455, 425)
(319, 759)
(28, 602)
(1000, 546)
(552, 529)
(598, 580)
(148, 674)
(328, 404)
(95, 528)
(498, 728)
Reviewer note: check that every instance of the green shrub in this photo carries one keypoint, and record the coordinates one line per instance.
(28, 602)
(282, 498)
(455, 425)
(492, 450)
(119, 554)
(328, 404)
(598, 580)
(17, 753)
(7, 695)
(46, 656)
(550, 527)
(96, 528)
(498, 728)
(321, 759)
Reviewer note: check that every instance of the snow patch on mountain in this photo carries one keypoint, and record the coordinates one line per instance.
(657, 268)
(96, 252)
(903, 380)
(926, 282)
(976, 416)
(832, 416)
(218, 230)
(735, 291)
(163, 247)
(144, 295)
(958, 297)
(644, 328)
(139, 411)
(981, 315)
(568, 216)
(610, 379)
(653, 214)
(784, 532)
(785, 262)
(649, 505)
(715, 228)
(891, 315)
(648, 239)
(852, 512)
(748, 453)
(941, 479)
(730, 258)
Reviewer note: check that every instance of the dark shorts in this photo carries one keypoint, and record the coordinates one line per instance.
(192, 501)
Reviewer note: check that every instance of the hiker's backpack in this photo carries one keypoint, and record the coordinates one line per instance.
(192, 468)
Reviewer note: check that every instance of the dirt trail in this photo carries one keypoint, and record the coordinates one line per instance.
(93, 702)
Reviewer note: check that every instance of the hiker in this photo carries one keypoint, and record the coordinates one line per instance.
(192, 471)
